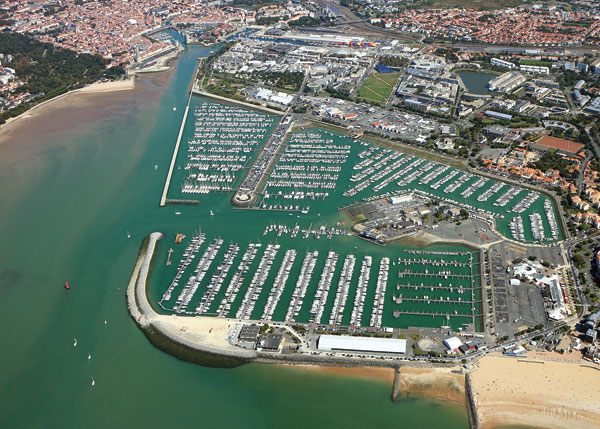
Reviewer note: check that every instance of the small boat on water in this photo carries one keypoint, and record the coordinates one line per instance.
(89, 356)
(156, 166)
(67, 287)
(211, 213)
(105, 322)
(74, 342)
(174, 109)
(128, 234)
(177, 213)
(93, 382)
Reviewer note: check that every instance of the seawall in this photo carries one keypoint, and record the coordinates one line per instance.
(157, 328)
(471, 408)
(163, 199)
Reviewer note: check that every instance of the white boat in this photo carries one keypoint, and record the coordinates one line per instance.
(128, 234)
(177, 213)
(74, 342)
(211, 213)
(93, 382)
(174, 109)
(89, 356)
(105, 322)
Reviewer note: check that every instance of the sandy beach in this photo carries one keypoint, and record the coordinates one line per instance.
(77, 99)
(91, 103)
(374, 373)
(536, 392)
(209, 331)
(117, 85)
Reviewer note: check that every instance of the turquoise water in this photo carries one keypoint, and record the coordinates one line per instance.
(69, 197)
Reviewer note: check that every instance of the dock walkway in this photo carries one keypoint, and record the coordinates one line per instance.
(163, 199)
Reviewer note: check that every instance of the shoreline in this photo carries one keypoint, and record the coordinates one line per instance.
(515, 398)
(440, 384)
(94, 88)
(535, 392)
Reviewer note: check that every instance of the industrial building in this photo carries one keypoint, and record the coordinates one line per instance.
(361, 344)
(594, 106)
(498, 115)
(249, 333)
(453, 343)
(269, 343)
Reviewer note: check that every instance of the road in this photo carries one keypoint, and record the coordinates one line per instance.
(595, 145)
(357, 24)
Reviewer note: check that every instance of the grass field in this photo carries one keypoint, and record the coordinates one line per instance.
(536, 63)
(378, 86)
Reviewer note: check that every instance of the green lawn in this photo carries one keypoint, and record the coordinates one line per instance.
(378, 86)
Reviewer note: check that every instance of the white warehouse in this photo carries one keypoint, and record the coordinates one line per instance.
(361, 344)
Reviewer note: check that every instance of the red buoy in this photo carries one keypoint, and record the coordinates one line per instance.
(67, 286)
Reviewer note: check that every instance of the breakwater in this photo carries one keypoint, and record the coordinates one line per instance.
(175, 152)
(161, 333)
(471, 406)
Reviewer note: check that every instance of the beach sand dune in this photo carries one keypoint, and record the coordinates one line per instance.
(539, 393)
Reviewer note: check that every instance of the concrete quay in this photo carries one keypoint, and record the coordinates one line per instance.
(163, 199)
(188, 338)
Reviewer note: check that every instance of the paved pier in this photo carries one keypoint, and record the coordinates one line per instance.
(247, 193)
(163, 199)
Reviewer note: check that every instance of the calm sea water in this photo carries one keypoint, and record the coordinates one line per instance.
(476, 82)
(68, 199)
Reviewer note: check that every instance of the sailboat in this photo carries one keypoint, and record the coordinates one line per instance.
(211, 213)
(74, 342)
(93, 382)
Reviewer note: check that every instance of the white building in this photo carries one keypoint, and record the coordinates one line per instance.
(453, 343)
(362, 344)
(501, 63)
(527, 269)
(534, 69)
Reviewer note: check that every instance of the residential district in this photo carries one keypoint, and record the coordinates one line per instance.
(453, 121)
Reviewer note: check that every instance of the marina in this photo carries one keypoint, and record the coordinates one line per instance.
(260, 276)
(316, 289)
(107, 177)
(277, 170)
(222, 141)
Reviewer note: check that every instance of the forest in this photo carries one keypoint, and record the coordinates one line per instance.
(48, 70)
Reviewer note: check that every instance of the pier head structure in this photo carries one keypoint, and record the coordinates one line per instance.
(247, 193)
